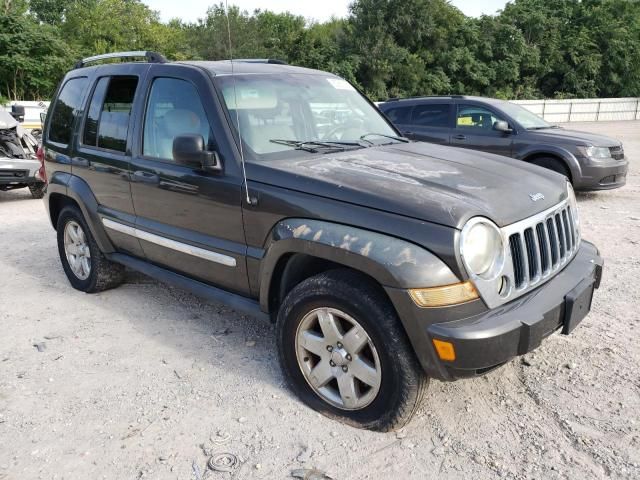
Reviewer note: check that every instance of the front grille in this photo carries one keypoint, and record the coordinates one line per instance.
(542, 247)
(617, 153)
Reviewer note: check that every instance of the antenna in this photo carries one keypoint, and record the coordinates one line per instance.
(250, 201)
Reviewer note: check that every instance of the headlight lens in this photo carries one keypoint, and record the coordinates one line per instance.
(598, 153)
(482, 248)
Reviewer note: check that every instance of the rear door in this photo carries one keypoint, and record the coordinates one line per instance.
(103, 150)
(188, 220)
(474, 129)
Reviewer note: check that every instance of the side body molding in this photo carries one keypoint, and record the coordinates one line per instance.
(391, 261)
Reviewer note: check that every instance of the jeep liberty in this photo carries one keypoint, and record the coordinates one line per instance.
(284, 192)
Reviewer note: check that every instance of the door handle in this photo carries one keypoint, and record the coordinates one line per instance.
(409, 133)
(460, 137)
(145, 177)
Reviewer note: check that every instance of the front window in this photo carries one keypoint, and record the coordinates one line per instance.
(300, 108)
(476, 117)
(524, 117)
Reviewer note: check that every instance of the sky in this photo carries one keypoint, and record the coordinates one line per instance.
(191, 10)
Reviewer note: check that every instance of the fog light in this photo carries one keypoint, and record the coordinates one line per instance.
(444, 296)
(445, 350)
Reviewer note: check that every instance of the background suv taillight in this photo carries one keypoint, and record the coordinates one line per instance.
(41, 171)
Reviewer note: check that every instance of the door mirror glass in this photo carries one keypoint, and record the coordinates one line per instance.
(190, 150)
(501, 126)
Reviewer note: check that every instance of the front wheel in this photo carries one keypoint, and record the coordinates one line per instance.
(345, 354)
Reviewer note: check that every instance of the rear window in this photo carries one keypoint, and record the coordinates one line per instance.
(67, 104)
(431, 115)
(107, 122)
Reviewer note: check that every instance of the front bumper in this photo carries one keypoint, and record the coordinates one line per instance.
(484, 339)
(605, 176)
(18, 171)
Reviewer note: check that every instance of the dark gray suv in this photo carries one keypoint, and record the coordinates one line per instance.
(591, 162)
(285, 193)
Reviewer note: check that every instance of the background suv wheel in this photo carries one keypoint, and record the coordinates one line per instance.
(345, 354)
(86, 267)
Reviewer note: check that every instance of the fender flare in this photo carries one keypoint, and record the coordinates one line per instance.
(569, 158)
(392, 262)
(79, 191)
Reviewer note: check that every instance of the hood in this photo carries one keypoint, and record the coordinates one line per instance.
(574, 137)
(429, 182)
(6, 120)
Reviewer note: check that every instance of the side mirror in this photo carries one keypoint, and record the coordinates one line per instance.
(43, 116)
(189, 150)
(502, 126)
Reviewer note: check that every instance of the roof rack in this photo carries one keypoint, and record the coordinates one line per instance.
(395, 99)
(151, 57)
(273, 61)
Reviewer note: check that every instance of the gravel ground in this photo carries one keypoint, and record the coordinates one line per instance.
(147, 381)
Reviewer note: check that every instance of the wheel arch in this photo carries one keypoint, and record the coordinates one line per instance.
(300, 248)
(65, 189)
(563, 156)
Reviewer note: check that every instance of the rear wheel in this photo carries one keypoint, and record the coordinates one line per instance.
(345, 354)
(553, 164)
(37, 190)
(85, 265)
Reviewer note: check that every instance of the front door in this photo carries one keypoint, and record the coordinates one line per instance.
(474, 129)
(188, 220)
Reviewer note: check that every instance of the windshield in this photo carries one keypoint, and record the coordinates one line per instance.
(524, 117)
(287, 112)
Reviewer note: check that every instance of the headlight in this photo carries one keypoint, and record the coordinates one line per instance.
(482, 248)
(573, 204)
(598, 153)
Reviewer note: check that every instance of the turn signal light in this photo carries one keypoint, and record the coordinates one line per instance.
(445, 350)
(444, 296)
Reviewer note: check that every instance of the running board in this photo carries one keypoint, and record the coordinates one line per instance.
(214, 294)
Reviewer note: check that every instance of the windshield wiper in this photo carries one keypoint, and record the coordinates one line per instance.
(315, 146)
(393, 137)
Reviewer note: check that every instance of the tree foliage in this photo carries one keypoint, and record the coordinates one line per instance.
(533, 48)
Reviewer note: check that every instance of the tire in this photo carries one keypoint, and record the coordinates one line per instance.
(37, 190)
(102, 274)
(401, 381)
(553, 164)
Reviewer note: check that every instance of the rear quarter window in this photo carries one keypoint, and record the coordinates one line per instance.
(399, 115)
(67, 104)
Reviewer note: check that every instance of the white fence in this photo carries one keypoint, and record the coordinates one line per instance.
(585, 109)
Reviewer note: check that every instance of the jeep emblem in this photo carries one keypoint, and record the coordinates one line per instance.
(536, 196)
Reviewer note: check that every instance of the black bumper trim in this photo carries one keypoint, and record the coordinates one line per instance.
(492, 338)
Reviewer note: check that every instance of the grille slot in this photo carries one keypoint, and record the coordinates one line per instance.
(540, 249)
(518, 259)
(617, 153)
(543, 241)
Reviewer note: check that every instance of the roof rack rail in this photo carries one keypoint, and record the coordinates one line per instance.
(151, 57)
(417, 97)
(273, 61)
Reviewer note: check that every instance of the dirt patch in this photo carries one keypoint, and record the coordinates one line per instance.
(147, 381)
